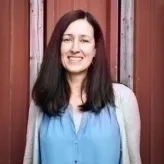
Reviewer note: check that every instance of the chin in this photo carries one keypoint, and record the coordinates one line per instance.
(77, 71)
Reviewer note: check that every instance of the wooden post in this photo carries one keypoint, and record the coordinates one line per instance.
(36, 38)
(127, 41)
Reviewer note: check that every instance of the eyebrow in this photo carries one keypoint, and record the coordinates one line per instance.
(80, 35)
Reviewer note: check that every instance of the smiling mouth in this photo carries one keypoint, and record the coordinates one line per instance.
(75, 58)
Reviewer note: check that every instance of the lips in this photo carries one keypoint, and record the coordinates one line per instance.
(75, 58)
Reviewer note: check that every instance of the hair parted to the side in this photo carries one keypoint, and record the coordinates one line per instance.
(51, 91)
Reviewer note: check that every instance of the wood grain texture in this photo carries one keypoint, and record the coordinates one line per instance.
(19, 79)
(36, 38)
(112, 36)
(14, 64)
(127, 43)
(149, 77)
(5, 106)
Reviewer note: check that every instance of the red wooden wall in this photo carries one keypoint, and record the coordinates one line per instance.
(148, 80)
(14, 59)
(149, 77)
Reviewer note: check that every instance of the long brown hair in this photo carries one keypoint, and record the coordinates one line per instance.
(51, 91)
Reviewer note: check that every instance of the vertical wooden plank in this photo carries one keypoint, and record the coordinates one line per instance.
(82, 4)
(63, 7)
(143, 73)
(19, 84)
(157, 78)
(14, 80)
(98, 9)
(112, 31)
(5, 112)
(36, 38)
(149, 77)
(126, 43)
(51, 17)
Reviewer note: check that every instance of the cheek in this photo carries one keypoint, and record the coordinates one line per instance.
(65, 48)
(88, 50)
(89, 54)
(64, 51)
(64, 59)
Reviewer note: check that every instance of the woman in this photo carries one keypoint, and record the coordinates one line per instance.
(78, 115)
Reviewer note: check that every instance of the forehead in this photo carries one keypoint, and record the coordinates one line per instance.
(80, 27)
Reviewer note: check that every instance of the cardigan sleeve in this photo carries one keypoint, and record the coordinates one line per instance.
(132, 123)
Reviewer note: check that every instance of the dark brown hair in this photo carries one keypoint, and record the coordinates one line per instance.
(51, 91)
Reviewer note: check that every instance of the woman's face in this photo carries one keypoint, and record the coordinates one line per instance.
(78, 47)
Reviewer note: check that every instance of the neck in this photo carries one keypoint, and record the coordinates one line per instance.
(75, 82)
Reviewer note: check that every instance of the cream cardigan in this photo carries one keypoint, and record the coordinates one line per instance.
(128, 119)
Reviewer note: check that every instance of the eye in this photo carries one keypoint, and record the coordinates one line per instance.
(67, 40)
(84, 41)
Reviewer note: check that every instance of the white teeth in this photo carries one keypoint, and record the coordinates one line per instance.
(75, 59)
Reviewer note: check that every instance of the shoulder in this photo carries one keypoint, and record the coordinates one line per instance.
(123, 94)
(126, 101)
(121, 89)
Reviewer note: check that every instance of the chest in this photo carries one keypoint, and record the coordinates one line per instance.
(97, 136)
(86, 126)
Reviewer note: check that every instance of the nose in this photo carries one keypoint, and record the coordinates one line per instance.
(75, 47)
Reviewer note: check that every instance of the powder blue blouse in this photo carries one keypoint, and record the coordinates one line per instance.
(97, 140)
